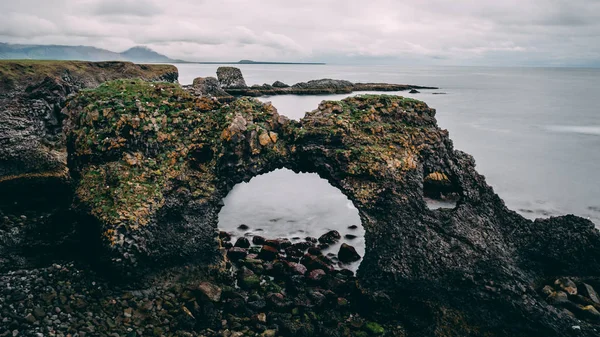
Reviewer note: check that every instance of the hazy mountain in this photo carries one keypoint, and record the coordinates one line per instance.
(144, 54)
(82, 53)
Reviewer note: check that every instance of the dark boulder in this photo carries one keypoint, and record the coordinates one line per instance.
(210, 86)
(348, 254)
(330, 237)
(242, 243)
(279, 84)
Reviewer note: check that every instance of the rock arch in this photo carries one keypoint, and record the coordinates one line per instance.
(152, 163)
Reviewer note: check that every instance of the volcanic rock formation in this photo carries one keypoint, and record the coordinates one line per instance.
(151, 162)
(232, 81)
(150, 177)
(34, 180)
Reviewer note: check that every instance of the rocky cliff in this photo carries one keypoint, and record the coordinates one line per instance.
(151, 176)
(152, 162)
(33, 155)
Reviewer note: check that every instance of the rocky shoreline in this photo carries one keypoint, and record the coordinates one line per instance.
(126, 243)
(230, 83)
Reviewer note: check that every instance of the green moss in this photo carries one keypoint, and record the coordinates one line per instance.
(27, 72)
(250, 282)
(374, 328)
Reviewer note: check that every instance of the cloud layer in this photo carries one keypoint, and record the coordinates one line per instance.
(509, 32)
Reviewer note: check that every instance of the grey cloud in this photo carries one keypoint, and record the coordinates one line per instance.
(437, 31)
(143, 8)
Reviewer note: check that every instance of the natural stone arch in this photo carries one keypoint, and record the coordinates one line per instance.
(152, 164)
(283, 206)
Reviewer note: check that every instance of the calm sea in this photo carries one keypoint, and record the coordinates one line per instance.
(534, 133)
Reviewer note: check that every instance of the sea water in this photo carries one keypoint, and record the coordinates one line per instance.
(534, 133)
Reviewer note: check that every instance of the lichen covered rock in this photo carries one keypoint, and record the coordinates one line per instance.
(152, 164)
(210, 86)
(231, 78)
(35, 191)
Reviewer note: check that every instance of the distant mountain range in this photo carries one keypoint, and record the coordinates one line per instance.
(81, 53)
(85, 53)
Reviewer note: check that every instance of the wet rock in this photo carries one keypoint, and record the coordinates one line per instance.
(350, 237)
(414, 91)
(547, 290)
(247, 279)
(316, 275)
(278, 243)
(566, 285)
(268, 253)
(258, 240)
(558, 298)
(353, 227)
(278, 301)
(590, 312)
(211, 291)
(588, 291)
(330, 237)
(224, 236)
(298, 268)
(30, 318)
(243, 227)
(237, 253)
(242, 243)
(312, 262)
(348, 254)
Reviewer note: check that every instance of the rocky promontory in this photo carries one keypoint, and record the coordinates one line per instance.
(232, 82)
(152, 162)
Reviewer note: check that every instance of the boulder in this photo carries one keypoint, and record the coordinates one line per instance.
(268, 253)
(330, 237)
(348, 254)
(231, 78)
(279, 84)
(210, 86)
(589, 292)
(237, 253)
(242, 243)
(211, 291)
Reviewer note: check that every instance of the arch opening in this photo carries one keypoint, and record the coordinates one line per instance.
(440, 192)
(300, 209)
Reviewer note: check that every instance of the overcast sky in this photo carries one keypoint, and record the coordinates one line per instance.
(476, 32)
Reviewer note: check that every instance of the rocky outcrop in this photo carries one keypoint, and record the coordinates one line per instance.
(279, 84)
(151, 181)
(33, 171)
(232, 81)
(34, 92)
(210, 86)
(231, 78)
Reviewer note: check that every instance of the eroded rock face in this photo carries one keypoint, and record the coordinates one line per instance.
(34, 180)
(152, 164)
(231, 78)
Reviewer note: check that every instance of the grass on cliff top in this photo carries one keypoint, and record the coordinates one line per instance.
(25, 72)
